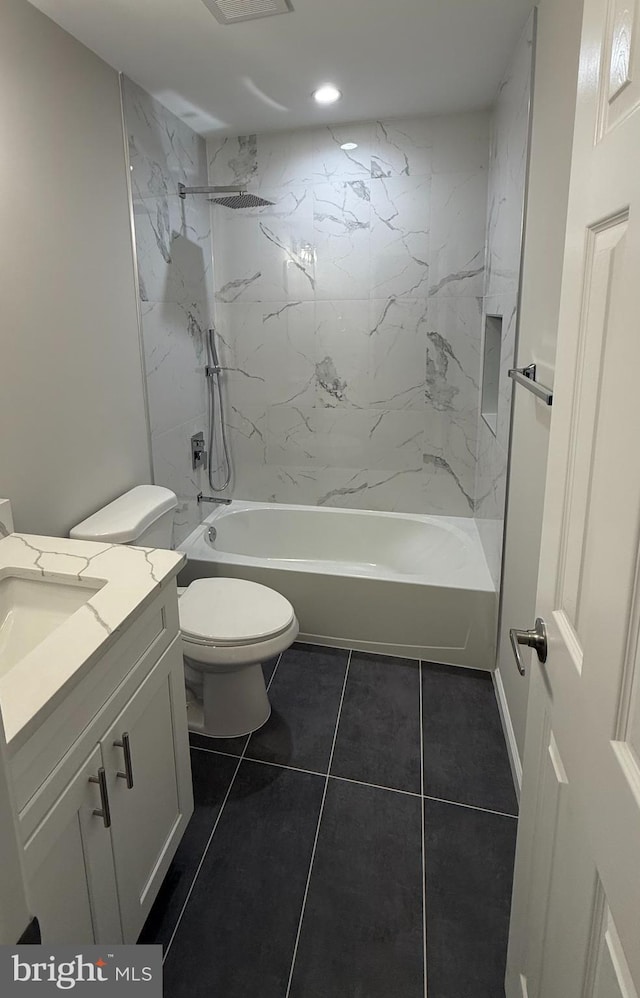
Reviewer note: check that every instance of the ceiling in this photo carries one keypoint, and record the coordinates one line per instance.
(389, 57)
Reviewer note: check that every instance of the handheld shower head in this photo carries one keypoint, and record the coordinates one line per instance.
(217, 433)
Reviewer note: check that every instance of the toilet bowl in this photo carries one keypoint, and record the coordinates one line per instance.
(228, 626)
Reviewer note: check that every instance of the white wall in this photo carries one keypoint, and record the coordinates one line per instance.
(557, 49)
(73, 429)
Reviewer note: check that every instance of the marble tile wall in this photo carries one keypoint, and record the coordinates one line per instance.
(350, 312)
(173, 242)
(506, 200)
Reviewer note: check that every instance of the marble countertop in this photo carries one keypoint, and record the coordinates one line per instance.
(129, 578)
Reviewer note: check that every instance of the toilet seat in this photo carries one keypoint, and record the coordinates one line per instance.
(232, 613)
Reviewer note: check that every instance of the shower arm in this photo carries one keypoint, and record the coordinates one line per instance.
(236, 189)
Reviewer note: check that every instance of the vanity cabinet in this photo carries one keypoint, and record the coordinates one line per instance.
(101, 831)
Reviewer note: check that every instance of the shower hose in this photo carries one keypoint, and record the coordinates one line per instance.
(223, 466)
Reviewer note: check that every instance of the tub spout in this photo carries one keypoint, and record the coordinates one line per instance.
(216, 499)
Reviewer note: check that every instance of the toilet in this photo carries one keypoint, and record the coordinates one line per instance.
(228, 626)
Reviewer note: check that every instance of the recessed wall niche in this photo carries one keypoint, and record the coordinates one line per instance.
(491, 370)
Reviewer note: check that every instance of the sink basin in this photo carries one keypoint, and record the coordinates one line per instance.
(31, 608)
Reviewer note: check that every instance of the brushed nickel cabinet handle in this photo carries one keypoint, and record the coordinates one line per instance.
(125, 744)
(103, 812)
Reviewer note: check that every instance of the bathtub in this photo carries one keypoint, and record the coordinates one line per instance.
(392, 583)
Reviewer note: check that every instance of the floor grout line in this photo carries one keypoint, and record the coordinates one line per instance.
(374, 786)
(360, 783)
(275, 669)
(424, 858)
(472, 807)
(206, 848)
(315, 841)
(289, 769)
(310, 772)
(215, 751)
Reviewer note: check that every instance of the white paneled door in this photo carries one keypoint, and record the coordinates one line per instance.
(575, 929)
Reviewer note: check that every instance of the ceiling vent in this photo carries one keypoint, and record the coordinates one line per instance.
(233, 11)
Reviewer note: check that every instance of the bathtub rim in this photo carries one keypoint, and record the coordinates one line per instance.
(196, 548)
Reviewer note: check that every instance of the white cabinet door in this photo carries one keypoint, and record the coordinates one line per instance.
(69, 866)
(146, 758)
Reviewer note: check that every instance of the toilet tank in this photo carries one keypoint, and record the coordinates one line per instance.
(142, 516)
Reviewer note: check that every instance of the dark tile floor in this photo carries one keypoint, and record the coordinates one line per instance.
(368, 825)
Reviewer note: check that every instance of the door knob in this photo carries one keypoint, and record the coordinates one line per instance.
(536, 638)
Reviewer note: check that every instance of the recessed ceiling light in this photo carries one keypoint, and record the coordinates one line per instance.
(348, 146)
(327, 94)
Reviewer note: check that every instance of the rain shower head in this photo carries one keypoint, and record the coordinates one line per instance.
(240, 200)
(230, 197)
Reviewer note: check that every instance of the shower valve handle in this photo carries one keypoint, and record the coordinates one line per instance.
(198, 451)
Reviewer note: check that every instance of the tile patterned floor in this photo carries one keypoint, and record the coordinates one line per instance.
(360, 845)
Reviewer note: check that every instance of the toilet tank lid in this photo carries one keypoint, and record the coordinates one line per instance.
(127, 517)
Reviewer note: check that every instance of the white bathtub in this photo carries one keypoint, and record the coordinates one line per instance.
(393, 583)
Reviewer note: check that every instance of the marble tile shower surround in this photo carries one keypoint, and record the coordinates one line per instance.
(350, 312)
(506, 200)
(173, 244)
